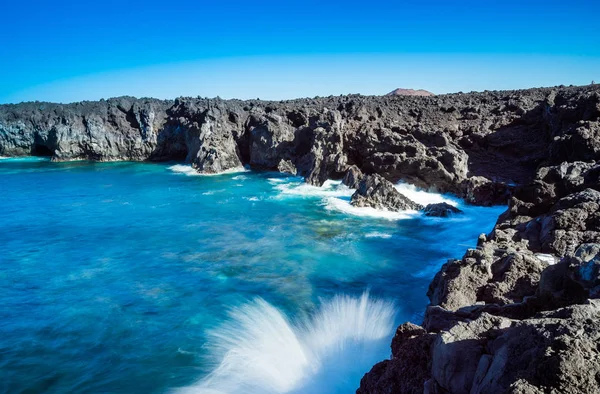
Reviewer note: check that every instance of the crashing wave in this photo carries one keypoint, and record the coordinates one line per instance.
(261, 350)
(190, 171)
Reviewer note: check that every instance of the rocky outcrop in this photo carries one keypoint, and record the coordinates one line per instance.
(376, 192)
(476, 145)
(441, 209)
(520, 313)
(352, 177)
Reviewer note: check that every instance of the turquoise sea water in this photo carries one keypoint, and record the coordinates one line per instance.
(134, 278)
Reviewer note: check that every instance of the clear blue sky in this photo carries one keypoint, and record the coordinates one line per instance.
(68, 51)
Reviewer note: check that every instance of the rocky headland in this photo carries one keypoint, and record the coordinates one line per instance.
(518, 314)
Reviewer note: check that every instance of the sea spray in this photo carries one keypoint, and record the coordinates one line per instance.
(336, 196)
(261, 350)
(190, 171)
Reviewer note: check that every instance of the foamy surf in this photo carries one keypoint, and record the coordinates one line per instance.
(300, 189)
(424, 197)
(24, 158)
(189, 171)
(344, 206)
(377, 234)
(335, 196)
(260, 350)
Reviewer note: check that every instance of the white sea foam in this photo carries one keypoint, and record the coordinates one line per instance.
(24, 158)
(184, 169)
(239, 177)
(277, 180)
(377, 234)
(188, 170)
(260, 350)
(547, 258)
(338, 204)
(300, 189)
(335, 196)
(423, 197)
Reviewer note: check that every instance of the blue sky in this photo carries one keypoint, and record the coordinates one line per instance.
(68, 51)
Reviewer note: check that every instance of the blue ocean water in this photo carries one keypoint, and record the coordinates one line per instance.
(142, 278)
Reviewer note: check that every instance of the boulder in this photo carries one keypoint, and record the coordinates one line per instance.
(441, 209)
(377, 192)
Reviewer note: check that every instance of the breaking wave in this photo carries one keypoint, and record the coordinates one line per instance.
(261, 350)
(24, 159)
(297, 188)
(343, 205)
(189, 171)
(377, 234)
(335, 196)
(424, 197)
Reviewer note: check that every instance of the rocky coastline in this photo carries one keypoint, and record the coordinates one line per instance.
(518, 314)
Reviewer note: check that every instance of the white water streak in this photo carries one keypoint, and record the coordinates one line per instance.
(424, 197)
(189, 171)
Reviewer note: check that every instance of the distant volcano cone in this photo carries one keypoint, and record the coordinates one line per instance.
(409, 92)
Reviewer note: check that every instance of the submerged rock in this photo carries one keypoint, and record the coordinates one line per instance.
(377, 192)
(441, 209)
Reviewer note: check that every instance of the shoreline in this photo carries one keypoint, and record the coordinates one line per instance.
(538, 149)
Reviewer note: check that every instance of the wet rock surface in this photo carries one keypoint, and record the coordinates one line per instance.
(377, 192)
(441, 209)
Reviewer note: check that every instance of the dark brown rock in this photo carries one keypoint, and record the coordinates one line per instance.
(377, 192)
(352, 177)
(441, 210)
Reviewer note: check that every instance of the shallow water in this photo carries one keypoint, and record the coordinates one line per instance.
(121, 277)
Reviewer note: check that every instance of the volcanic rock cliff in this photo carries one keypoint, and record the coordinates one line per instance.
(519, 314)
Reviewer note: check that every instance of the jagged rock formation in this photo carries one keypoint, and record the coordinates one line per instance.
(352, 177)
(476, 145)
(377, 192)
(441, 209)
(519, 314)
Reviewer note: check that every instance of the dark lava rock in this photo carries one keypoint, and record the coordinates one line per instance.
(441, 209)
(377, 192)
(520, 314)
(352, 177)
(477, 145)
(408, 369)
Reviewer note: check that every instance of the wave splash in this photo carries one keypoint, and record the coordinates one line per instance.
(190, 171)
(261, 350)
